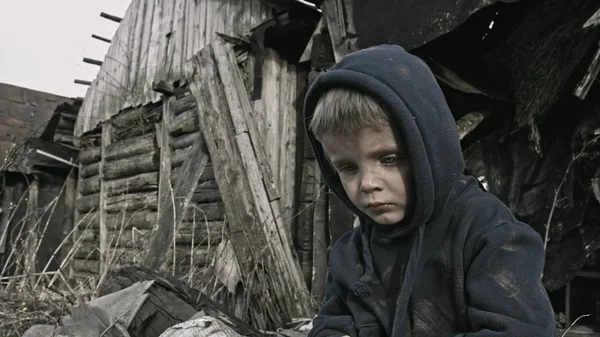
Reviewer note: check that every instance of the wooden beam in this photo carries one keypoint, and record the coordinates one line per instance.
(82, 82)
(111, 17)
(92, 61)
(32, 228)
(97, 37)
(243, 175)
(173, 201)
(106, 141)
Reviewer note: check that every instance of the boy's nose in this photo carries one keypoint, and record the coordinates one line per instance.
(369, 181)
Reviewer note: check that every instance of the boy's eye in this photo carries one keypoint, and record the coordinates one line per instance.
(349, 168)
(389, 160)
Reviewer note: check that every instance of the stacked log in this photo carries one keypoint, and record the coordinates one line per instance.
(202, 227)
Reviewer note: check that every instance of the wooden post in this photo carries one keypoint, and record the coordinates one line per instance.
(32, 232)
(7, 199)
(106, 141)
(69, 213)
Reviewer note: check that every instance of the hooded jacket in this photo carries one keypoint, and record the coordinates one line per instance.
(463, 265)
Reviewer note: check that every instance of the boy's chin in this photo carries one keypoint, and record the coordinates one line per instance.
(388, 219)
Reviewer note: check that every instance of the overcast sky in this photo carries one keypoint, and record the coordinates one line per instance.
(43, 42)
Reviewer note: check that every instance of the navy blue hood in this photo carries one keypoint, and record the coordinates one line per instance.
(405, 85)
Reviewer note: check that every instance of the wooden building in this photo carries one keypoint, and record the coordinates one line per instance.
(37, 189)
(153, 179)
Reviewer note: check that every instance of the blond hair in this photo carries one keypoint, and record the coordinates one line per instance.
(342, 111)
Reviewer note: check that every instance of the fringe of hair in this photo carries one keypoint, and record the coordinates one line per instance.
(342, 111)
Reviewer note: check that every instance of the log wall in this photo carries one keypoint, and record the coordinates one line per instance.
(128, 190)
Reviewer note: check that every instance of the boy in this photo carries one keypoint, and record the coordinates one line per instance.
(435, 255)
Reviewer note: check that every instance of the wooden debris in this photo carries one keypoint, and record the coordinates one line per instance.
(129, 275)
(241, 171)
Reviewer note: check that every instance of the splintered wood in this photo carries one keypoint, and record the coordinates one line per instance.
(246, 184)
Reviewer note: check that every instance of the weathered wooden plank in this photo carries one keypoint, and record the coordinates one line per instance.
(155, 41)
(179, 34)
(90, 155)
(182, 193)
(164, 177)
(106, 141)
(198, 26)
(229, 68)
(141, 163)
(131, 147)
(136, 88)
(166, 28)
(287, 146)
(226, 158)
(142, 77)
(271, 100)
(188, 37)
(138, 183)
(226, 102)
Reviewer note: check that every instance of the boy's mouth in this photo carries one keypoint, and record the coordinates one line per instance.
(378, 206)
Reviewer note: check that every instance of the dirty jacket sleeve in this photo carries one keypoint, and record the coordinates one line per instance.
(335, 318)
(503, 282)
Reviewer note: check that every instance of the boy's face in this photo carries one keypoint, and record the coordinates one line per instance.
(375, 171)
